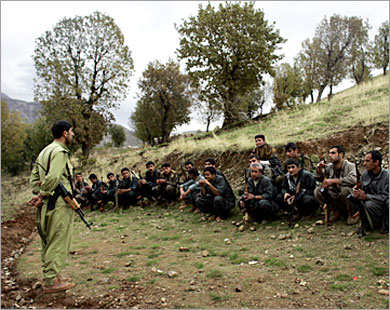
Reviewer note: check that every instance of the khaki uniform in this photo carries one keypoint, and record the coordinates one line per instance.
(268, 153)
(55, 227)
(337, 193)
(169, 190)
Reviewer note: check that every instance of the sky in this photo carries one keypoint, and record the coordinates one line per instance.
(148, 28)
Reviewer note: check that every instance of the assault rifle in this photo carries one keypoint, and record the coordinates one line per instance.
(246, 214)
(67, 196)
(293, 204)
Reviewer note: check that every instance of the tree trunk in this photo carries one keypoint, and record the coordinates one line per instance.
(320, 91)
(86, 149)
(207, 125)
(384, 71)
(312, 96)
(330, 91)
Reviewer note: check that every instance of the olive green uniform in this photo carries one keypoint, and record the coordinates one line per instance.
(55, 227)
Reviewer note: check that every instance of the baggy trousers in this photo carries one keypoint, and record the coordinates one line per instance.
(55, 227)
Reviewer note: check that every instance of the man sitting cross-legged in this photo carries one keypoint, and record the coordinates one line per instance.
(149, 183)
(190, 190)
(216, 196)
(257, 201)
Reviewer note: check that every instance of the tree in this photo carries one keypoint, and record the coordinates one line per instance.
(227, 51)
(164, 102)
(39, 135)
(287, 86)
(337, 38)
(83, 69)
(13, 135)
(118, 135)
(308, 63)
(361, 64)
(381, 47)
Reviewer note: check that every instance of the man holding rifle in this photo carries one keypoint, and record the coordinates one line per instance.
(373, 192)
(54, 216)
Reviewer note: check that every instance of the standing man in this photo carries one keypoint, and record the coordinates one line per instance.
(54, 216)
(268, 157)
(338, 178)
(216, 196)
(374, 192)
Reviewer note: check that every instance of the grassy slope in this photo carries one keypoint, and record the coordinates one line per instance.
(367, 104)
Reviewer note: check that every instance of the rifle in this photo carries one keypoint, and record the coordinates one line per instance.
(246, 214)
(116, 191)
(294, 205)
(68, 197)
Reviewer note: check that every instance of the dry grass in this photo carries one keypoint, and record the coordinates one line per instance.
(366, 104)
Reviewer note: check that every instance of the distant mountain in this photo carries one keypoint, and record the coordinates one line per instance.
(29, 111)
(131, 140)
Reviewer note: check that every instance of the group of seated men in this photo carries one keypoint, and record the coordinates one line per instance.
(296, 187)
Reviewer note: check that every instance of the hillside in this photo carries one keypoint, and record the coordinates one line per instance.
(29, 111)
(356, 117)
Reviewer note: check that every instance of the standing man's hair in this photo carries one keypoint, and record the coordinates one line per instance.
(211, 161)
(290, 145)
(260, 136)
(376, 155)
(340, 148)
(59, 127)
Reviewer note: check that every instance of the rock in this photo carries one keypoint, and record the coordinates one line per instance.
(384, 292)
(288, 235)
(268, 227)
(273, 237)
(310, 230)
(158, 227)
(205, 253)
(302, 283)
(320, 222)
(296, 225)
(183, 249)
(233, 222)
(266, 252)
(350, 233)
(291, 256)
(282, 237)
(381, 282)
(253, 262)
(284, 295)
(36, 285)
(320, 262)
(343, 234)
(241, 228)
(172, 273)
(203, 218)
(347, 247)
(238, 224)
(252, 228)
(238, 288)
(128, 264)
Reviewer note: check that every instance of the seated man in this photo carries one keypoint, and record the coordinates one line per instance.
(216, 196)
(167, 183)
(111, 192)
(97, 197)
(149, 183)
(128, 189)
(257, 200)
(253, 158)
(373, 193)
(338, 178)
(298, 191)
(190, 190)
(80, 190)
(210, 162)
(268, 157)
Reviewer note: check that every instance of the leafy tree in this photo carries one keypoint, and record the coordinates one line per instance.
(13, 135)
(227, 52)
(287, 86)
(83, 69)
(164, 102)
(308, 63)
(337, 38)
(381, 47)
(39, 135)
(118, 135)
(361, 64)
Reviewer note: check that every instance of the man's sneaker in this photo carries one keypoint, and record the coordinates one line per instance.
(57, 287)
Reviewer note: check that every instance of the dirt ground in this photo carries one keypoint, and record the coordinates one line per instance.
(19, 291)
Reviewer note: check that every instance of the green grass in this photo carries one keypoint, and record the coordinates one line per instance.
(109, 270)
(218, 297)
(214, 274)
(274, 262)
(304, 268)
(134, 278)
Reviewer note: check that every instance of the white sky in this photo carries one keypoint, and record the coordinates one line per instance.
(148, 28)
